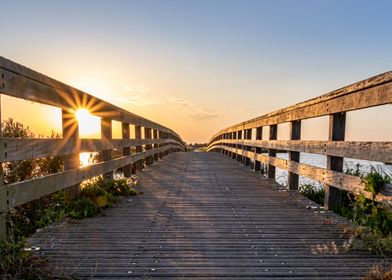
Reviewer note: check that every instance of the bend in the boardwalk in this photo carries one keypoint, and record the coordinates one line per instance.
(203, 217)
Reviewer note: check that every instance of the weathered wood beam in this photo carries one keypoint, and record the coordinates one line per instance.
(337, 130)
(139, 148)
(22, 149)
(295, 134)
(71, 133)
(373, 151)
(147, 135)
(273, 134)
(259, 136)
(127, 169)
(106, 135)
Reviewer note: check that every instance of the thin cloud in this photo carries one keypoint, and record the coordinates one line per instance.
(137, 88)
(203, 114)
(180, 101)
(115, 72)
(140, 100)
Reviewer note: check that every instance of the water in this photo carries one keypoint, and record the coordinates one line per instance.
(321, 161)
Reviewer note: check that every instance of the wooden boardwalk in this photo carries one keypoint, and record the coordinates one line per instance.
(203, 217)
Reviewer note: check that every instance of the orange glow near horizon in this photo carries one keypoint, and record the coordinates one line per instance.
(89, 125)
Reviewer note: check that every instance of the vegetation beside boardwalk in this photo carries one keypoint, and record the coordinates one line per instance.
(97, 194)
(17, 261)
(372, 222)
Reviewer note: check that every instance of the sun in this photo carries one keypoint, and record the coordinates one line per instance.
(82, 114)
(89, 125)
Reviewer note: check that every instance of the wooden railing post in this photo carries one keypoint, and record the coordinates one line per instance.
(139, 148)
(126, 150)
(259, 136)
(234, 154)
(295, 134)
(155, 146)
(273, 135)
(228, 144)
(337, 129)
(3, 193)
(70, 129)
(160, 133)
(3, 207)
(248, 136)
(147, 135)
(106, 135)
(165, 135)
(238, 146)
(223, 137)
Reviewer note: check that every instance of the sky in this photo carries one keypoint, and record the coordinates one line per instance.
(200, 66)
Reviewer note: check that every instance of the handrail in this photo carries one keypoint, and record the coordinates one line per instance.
(236, 141)
(24, 83)
(364, 94)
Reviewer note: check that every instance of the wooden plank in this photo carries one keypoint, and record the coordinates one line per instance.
(202, 216)
(329, 177)
(25, 191)
(22, 149)
(373, 151)
(372, 92)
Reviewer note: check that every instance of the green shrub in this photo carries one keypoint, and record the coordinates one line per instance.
(372, 230)
(374, 181)
(313, 193)
(82, 208)
(16, 263)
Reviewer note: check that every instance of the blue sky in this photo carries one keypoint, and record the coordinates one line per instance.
(221, 62)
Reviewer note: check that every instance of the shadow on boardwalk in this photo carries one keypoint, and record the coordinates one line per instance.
(203, 217)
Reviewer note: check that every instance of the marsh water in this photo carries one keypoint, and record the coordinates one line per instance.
(321, 161)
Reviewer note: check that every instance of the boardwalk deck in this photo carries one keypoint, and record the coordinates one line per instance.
(203, 217)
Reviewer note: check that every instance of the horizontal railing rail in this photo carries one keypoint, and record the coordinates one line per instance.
(243, 141)
(25, 191)
(23, 83)
(24, 149)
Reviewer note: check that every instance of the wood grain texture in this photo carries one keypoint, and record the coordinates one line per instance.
(202, 216)
(373, 151)
(22, 149)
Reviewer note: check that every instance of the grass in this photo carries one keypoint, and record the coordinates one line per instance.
(16, 263)
(379, 273)
(313, 193)
(96, 194)
(372, 222)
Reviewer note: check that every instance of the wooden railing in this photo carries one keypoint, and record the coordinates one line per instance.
(21, 82)
(236, 141)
